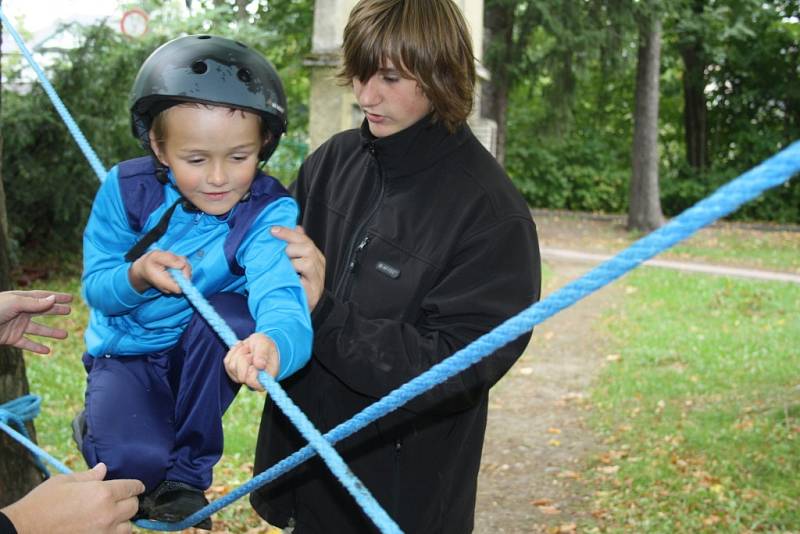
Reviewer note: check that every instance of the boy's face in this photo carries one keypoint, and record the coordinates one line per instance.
(212, 152)
(390, 102)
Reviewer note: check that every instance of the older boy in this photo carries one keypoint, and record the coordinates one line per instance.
(414, 243)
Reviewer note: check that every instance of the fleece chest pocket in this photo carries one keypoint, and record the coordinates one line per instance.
(390, 282)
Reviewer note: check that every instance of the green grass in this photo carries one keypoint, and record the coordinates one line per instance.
(60, 380)
(764, 250)
(701, 412)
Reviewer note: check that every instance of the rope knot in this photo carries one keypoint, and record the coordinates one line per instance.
(15, 413)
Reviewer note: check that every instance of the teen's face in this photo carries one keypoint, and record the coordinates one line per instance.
(390, 102)
(212, 152)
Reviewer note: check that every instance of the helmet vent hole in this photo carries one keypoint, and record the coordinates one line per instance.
(241, 44)
(244, 75)
(204, 37)
(199, 67)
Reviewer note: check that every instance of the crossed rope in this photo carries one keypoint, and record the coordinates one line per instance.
(773, 172)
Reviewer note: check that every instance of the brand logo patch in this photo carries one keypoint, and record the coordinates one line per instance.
(388, 270)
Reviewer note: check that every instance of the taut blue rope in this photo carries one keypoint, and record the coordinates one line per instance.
(771, 173)
(335, 462)
(15, 413)
(774, 171)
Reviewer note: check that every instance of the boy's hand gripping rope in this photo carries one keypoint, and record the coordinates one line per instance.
(326, 451)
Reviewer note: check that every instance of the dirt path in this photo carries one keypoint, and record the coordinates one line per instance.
(537, 442)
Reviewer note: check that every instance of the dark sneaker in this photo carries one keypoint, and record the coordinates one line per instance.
(79, 429)
(145, 505)
(174, 501)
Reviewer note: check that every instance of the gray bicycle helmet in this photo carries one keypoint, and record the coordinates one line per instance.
(210, 69)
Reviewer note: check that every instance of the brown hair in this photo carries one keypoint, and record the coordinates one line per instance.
(426, 40)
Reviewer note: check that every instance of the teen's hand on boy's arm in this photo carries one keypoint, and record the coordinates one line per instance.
(151, 271)
(17, 309)
(307, 259)
(249, 356)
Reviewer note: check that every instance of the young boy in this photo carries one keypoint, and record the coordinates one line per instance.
(209, 109)
(414, 244)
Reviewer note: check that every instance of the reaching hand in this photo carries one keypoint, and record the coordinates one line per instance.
(256, 353)
(307, 259)
(78, 503)
(150, 270)
(17, 309)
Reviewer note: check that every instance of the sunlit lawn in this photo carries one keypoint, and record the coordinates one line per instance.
(700, 407)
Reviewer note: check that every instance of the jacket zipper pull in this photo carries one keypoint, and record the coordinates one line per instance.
(357, 254)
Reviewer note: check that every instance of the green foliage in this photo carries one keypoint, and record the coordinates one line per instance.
(683, 186)
(579, 158)
(566, 176)
(49, 185)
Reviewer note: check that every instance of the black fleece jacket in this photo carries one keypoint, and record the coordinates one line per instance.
(428, 246)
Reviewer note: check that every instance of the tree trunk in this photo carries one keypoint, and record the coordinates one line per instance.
(644, 212)
(499, 35)
(694, 101)
(18, 474)
(241, 12)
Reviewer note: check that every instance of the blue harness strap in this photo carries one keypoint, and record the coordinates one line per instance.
(264, 191)
(142, 194)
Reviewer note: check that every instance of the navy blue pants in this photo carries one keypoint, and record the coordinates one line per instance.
(158, 416)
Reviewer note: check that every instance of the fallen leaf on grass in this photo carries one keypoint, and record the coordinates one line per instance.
(608, 469)
(549, 510)
(553, 430)
(544, 501)
(218, 490)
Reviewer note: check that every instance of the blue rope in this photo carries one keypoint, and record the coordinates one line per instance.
(84, 145)
(14, 414)
(725, 200)
(771, 173)
(335, 462)
(306, 428)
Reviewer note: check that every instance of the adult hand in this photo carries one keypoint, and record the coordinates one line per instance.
(77, 503)
(150, 270)
(307, 259)
(256, 353)
(17, 309)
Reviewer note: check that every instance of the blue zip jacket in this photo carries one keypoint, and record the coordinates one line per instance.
(124, 322)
